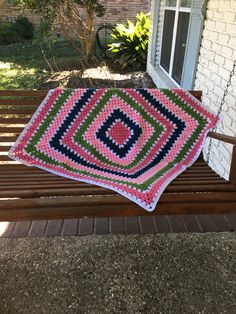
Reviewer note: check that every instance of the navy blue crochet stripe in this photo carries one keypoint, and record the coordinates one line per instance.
(101, 134)
(55, 142)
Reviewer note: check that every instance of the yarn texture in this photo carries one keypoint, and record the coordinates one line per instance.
(132, 141)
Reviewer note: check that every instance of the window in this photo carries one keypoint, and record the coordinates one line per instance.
(174, 38)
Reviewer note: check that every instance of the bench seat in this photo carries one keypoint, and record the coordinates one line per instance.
(28, 193)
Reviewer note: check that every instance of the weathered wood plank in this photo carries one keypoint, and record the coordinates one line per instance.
(223, 137)
(13, 111)
(20, 102)
(114, 210)
(13, 121)
(29, 93)
(106, 200)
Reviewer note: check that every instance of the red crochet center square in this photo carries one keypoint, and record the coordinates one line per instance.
(119, 133)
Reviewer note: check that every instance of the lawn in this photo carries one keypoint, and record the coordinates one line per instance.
(30, 65)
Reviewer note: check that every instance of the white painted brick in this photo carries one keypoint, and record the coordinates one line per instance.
(224, 4)
(229, 64)
(210, 84)
(229, 16)
(213, 66)
(231, 100)
(225, 107)
(224, 73)
(233, 5)
(218, 15)
(209, 14)
(218, 91)
(234, 126)
(214, 4)
(209, 34)
(207, 101)
(210, 24)
(231, 29)
(233, 80)
(232, 41)
(207, 44)
(234, 54)
(216, 47)
(226, 156)
(201, 77)
(209, 54)
(224, 38)
(219, 59)
(207, 72)
(228, 131)
(204, 60)
(214, 98)
(228, 120)
(216, 78)
(220, 26)
(225, 163)
(227, 52)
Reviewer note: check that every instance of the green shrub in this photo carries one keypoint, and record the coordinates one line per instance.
(8, 35)
(14, 32)
(130, 42)
(23, 27)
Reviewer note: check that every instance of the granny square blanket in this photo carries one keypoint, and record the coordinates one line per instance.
(132, 141)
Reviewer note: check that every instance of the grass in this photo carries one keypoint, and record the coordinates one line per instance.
(30, 65)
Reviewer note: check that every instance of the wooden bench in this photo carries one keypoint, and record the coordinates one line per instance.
(30, 193)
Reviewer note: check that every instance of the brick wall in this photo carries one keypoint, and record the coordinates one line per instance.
(117, 11)
(218, 50)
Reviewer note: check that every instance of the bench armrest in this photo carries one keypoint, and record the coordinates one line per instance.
(223, 137)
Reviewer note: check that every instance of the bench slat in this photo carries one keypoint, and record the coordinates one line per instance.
(20, 102)
(104, 200)
(115, 210)
(13, 111)
(74, 191)
(13, 121)
(29, 93)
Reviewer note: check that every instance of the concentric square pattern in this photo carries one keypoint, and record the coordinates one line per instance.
(133, 141)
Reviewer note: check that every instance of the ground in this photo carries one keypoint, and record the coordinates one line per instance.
(31, 65)
(164, 273)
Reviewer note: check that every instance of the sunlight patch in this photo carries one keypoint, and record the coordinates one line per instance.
(3, 227)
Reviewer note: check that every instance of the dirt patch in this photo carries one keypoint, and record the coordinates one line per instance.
(101, 76)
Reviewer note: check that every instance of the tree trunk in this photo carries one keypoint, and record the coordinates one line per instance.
(89, 35)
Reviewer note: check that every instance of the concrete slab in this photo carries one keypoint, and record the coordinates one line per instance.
(164, 273)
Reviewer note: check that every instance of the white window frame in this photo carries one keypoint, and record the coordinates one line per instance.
(177, 9)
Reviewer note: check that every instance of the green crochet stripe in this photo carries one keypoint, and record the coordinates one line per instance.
(202, 122)
(59, 102)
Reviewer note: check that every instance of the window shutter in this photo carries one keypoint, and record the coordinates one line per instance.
(196, 22)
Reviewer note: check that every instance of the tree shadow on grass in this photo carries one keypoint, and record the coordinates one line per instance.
(29, 65)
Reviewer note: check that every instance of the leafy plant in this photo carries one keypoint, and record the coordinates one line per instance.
(23, 27)
(130, 42)
(8, 35)
(14, 32)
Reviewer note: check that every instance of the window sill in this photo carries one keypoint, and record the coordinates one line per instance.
(160, 78)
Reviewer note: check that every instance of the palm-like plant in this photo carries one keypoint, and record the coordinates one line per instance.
(130, 42)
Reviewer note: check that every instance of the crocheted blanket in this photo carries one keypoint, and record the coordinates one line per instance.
(132, 141)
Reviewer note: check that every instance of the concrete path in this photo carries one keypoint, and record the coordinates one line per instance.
(163, 273)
